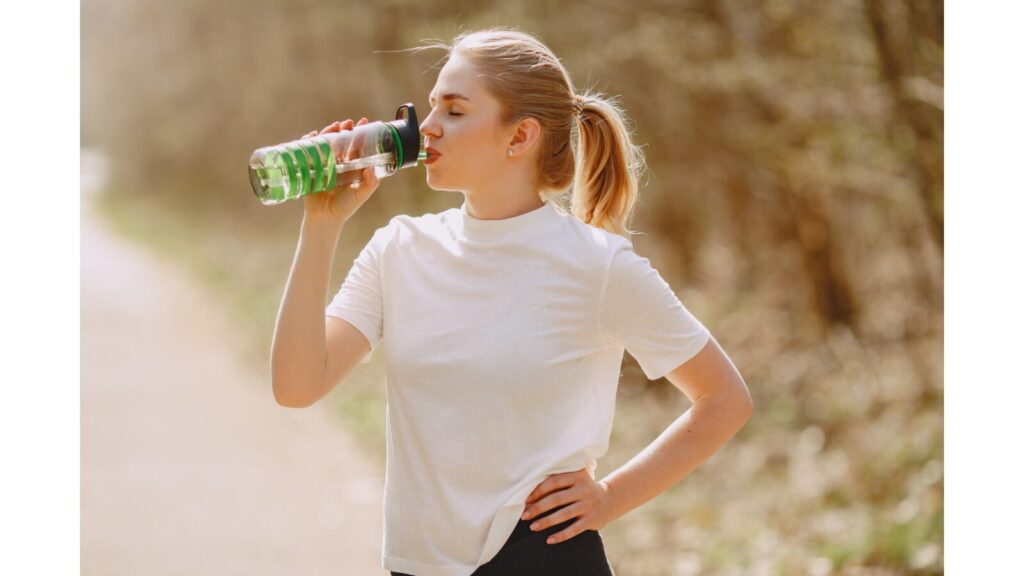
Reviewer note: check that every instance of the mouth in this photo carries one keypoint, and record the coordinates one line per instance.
(432, 156)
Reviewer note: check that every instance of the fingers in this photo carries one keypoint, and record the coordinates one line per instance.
(550, 484)
(575, 529)
(553, 500)
(370, 176)
(338, 126)
(566, 512)
(355, 147)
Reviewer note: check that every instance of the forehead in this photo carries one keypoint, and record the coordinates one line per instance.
(457, 76)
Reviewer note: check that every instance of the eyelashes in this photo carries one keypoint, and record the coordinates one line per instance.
(449, 113)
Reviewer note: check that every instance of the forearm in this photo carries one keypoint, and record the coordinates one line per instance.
(298, 351)
(686, 444)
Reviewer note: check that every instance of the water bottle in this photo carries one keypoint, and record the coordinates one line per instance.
(311, 165)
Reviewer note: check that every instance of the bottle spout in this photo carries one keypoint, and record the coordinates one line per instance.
(407, 135)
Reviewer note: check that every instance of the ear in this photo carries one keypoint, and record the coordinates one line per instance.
(525, 136)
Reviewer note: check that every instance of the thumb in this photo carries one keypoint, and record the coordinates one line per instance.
(369, 177)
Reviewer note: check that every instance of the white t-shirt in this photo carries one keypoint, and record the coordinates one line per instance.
(504, 345)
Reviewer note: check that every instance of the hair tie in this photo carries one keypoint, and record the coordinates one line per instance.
(577, 105)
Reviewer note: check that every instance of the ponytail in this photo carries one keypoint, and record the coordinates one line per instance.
(608, 168)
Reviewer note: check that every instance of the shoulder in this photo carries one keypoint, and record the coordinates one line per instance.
(406, 228)
(597, 241)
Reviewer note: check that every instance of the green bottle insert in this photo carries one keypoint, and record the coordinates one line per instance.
(296, 169)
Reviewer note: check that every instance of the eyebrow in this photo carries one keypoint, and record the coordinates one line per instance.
(451, 96)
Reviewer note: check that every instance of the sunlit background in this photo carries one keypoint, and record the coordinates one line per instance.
(794, 201)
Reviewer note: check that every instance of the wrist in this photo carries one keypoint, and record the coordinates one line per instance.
(610, 498)
(321, 225)
(618, 505)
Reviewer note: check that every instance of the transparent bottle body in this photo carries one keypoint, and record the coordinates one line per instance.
(321, 163)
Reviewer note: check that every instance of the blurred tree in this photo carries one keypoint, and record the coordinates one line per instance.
(908, 37)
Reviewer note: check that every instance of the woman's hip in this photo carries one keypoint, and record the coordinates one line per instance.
(527, 552)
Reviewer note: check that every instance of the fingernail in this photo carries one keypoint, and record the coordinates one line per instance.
(533, 527)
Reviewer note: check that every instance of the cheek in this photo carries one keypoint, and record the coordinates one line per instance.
(479, 143)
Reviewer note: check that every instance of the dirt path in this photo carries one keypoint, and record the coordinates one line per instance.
(188, 465)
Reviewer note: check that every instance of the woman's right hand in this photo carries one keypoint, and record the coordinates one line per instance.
(339, 204)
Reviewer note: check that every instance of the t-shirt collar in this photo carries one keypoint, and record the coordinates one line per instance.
(508, 228)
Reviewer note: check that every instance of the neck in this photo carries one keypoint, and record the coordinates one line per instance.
(512, 192)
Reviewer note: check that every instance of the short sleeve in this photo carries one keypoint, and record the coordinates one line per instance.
(360, 300)
(640, 312)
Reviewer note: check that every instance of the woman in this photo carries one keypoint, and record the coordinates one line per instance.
(506, 321)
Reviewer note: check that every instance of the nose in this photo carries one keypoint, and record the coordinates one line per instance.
(430, 128)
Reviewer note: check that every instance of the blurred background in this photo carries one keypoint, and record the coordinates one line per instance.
(794, 201)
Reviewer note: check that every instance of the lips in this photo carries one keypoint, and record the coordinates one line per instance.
(432, 155)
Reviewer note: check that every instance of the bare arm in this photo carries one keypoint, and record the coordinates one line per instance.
(721, 406)
(299, 350)
(310, 354)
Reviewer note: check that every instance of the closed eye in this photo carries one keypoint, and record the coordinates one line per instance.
(450, 113)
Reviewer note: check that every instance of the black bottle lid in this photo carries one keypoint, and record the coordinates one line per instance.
(408, 128)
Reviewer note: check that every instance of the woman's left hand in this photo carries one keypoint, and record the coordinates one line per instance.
(591, 503)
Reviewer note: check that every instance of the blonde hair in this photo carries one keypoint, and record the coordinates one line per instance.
(530, 81)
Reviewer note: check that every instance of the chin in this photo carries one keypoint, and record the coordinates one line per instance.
(437, 184)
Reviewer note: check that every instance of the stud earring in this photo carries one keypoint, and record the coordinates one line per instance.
(509, 151)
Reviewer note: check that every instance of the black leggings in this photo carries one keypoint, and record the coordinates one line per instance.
(527, 552)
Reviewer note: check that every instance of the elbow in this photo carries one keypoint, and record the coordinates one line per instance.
(744, 404)
(283, 399)
(291, 388)
(284, 395)
(289, 402)
(285, 403)
(737, 402)
(748, 409)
